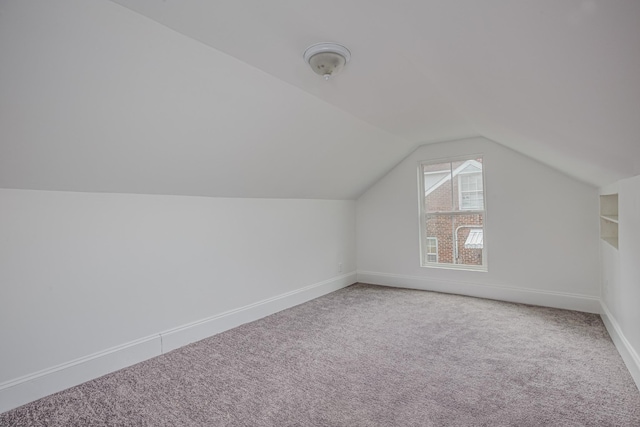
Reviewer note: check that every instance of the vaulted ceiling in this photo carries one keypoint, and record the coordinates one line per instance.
(212, 98)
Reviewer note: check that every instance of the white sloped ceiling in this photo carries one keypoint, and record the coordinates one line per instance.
(94, 97)
(556, 80)
(213, 98)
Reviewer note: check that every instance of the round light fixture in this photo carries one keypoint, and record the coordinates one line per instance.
(327, 59)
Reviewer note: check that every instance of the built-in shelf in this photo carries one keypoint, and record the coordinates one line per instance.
(609, 219)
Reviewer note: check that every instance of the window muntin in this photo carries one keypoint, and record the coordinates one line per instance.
(452, 209)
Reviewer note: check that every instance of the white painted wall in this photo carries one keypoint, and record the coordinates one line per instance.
(621, 275)
(81, 273)
(541, 231)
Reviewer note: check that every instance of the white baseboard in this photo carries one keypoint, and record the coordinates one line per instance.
(192, 332)
(566, 301)
(628, 353)
(19, 391)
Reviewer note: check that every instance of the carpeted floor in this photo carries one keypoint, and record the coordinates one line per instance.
(370, 356)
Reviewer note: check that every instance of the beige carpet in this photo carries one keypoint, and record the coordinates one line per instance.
(370, 356)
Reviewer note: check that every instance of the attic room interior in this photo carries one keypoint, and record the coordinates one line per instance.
(198, 229)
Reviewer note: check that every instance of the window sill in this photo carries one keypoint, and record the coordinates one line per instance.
(480, 268)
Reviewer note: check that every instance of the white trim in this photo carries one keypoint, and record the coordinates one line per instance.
(18, 391)
(568, 301)
(628, 353)
(22, 390)
(192, 332)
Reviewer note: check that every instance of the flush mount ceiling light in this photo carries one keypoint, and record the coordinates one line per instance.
(327, 59)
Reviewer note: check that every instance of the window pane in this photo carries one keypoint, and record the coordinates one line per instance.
(451, 233)
(471, 194)
(468, 239)
(437, 187)
(467, 184)
(439, 228)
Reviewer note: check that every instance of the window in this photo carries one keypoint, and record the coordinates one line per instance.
(452, 212)
(432, 249)
(470, 190)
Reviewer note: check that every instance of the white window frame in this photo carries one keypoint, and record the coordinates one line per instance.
(423, 215)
